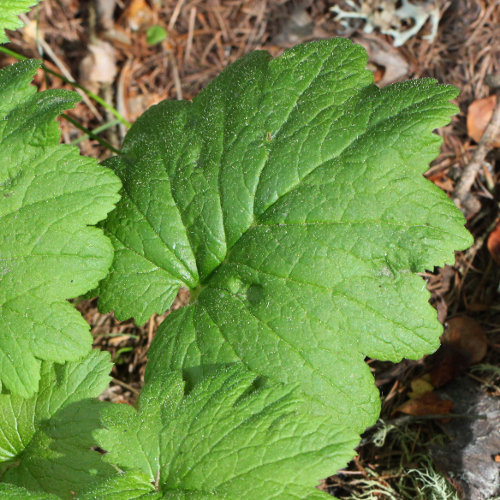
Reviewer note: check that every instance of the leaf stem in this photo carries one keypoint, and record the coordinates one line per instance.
(91, 134)
(96, 98)
(96, 131)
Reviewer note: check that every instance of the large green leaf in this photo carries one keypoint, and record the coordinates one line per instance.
(46, 440)
(225, 439)
(49, 195)
(9, 10)
(289, 197)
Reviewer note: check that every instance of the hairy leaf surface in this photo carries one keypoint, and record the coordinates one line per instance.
(225, 439)
(9, 10)
(11, 491)
(289, 197)
(46, 440)
(49, 195)
(125, 486)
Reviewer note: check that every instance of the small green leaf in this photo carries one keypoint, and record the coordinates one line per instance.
(46, 440)
(225, 439)
(9, 10)
(49, 196)
(156, 34)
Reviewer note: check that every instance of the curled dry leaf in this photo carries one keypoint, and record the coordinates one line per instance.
(429, 403)
(298, 27)
(423, 400)
(137, 104)
(494, 243)
(98, 66)
(384, 55)
(478, 117)
(139, 15)
(468, 336)
(463, 344)
(31, 32)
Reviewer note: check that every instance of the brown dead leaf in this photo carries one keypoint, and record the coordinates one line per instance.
(32, 32)
(429, 403)
(138, 15)
(384, 55)
(137, 104)
(494, 243)
(463, 343)
(478, 117)
(468, 335)
(298, 27)
(105, 10)
(98, 66)
(378, 74)
(442, 181)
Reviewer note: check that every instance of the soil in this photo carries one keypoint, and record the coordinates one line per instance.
(103, 46)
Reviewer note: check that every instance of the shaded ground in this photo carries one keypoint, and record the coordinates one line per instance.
(203, 37)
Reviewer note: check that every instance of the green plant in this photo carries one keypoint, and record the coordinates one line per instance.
(156, 34)
(49, 196)
(288, 198)
(9, 10)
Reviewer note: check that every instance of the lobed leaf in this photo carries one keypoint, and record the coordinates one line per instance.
(225, 439)
(288, 196)
(46, 440)
(49, 197)
(9, 10)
